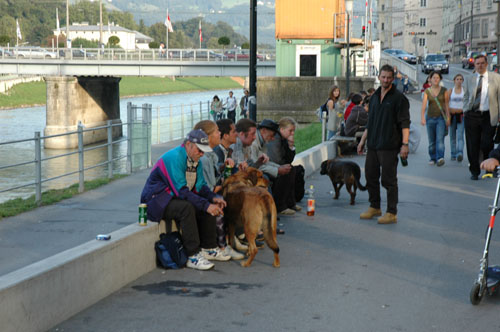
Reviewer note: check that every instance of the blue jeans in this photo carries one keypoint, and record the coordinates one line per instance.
(331, 133)
(435, 134)
(456, 137)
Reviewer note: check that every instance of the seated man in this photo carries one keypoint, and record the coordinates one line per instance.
(246, 131)
(359, 116)
(176, 190)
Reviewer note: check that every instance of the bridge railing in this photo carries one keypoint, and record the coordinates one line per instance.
(403, 66)
(50, 165)
(119, 54)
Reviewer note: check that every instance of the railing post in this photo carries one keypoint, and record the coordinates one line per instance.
(182, 120)
(38, 168)
(149, 131)
(129, 137)
(157, 124)
(201, 112)
(208, 109)
(192, 117)
(110, 148)
(81, 185)
(170, 127)
(323, 125)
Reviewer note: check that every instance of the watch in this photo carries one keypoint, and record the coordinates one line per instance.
(405, 144)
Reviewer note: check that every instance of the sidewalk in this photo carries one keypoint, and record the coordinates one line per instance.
(338, 273)
(46, 231)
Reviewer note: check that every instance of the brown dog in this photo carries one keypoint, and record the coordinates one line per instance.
(251, 206)
(341, 172)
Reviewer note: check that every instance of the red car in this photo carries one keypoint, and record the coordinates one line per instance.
(468, 61)
(241, 55)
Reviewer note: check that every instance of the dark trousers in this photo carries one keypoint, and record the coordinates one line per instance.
(479, 138)
(231, 115)
(387, 161)
(283, 191)
(197, 227)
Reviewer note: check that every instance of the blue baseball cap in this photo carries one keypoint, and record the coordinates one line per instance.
(198, 137)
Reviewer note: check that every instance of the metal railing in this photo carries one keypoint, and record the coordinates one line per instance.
(403, 66)
(119, 54)
(138, 129)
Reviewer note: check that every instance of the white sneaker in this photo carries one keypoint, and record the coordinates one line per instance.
(240, 246)
(233, 253)
(199, 262)
(215, 254)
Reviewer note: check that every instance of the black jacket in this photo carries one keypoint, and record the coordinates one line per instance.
(387, 119)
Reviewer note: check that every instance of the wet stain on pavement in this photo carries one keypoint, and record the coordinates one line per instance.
(192, 289)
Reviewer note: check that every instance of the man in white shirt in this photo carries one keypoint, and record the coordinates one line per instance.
(231, 107)
(481, 101)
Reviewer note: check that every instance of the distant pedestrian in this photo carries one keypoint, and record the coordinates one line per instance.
(397, 76)
(334, 109)
(231, 107)
(436, 118)
(244, 105)
(386, 134)
(216, 108)
(406, 84)
(456, 107)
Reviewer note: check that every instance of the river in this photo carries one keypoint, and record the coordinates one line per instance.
(22, 123)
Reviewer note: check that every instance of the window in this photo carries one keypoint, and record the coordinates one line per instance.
(484, 28)
(383, 7)
(490, 4)
(421, 42)
(423, 22)
(423, 3)
(475, 30)
(382, 25)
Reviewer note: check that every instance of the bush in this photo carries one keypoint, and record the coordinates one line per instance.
(114, 40)
(224, 41)
(4, 40)
(154, 45)
(85, 43)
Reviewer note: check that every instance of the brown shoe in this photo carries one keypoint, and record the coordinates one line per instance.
(370, 213)
(388, 218)
(288, 212)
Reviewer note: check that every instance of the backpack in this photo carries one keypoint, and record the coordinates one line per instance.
(170, 253)
(322, 109)
(299, 182)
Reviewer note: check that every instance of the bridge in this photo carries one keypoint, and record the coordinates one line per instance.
(83, 84)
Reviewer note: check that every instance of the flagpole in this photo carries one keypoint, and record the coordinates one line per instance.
(58, 30)
(166, 45)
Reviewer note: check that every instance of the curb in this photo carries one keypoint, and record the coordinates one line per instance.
(46, 293)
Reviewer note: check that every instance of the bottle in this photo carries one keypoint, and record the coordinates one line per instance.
(404, 161)
(228, 171)
(310, 201)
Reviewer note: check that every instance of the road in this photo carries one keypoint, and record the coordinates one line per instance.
(338, 273)
(447, 78)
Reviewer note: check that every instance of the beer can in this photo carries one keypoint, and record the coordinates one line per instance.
(103, 237)
(143, 216)
(228, 171)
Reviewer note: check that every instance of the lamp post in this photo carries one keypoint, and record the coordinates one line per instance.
(498, 30)
(67, 24)
(100, 22)
(348, 9)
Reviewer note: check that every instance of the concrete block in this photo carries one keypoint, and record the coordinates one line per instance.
(311, 159)
(43, 294)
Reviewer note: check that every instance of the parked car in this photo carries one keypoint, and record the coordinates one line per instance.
(435, 62)
(468, 61)
(241, 55)
(7, 53)
(78, 54)
(403, 55)
(34, 53)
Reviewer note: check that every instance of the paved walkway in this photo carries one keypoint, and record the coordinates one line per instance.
(46, 231)
(338, 273)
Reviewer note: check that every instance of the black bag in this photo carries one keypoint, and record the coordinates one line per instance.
(170, 253)
(299, 182)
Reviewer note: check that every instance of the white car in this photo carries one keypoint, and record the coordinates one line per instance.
(33, 53)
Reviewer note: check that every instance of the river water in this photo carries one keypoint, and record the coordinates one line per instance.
(22, 123)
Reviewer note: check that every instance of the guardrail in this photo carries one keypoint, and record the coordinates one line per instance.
(119, 54)
(403, 67)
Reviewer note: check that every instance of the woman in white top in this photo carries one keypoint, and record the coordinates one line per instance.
(456, 105)
(334, 109)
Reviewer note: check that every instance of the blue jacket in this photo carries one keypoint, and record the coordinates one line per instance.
(168, 180)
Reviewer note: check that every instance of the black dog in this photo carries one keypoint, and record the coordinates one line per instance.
(341, 172)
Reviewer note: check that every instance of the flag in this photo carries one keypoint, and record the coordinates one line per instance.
(199, 29)
(18, 30)
(58, 28)
(168, 23)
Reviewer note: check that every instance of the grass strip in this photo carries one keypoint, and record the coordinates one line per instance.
(307, 137)
(35, 93)
(19, 205)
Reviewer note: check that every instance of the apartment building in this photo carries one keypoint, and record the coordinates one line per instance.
(412, 25)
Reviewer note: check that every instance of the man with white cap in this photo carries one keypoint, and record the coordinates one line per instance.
(177, 190)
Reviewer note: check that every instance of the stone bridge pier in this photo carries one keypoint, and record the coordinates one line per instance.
(91, 100)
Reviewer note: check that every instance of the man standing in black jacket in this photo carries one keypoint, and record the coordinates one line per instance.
(386, 134)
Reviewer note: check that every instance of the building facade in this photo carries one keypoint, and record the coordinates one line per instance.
(411, 25)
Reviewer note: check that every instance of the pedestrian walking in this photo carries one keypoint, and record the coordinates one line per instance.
(230, 105)
(456, 107)
(244, 105)
(386, 135)
(481, 102)
(216, 108)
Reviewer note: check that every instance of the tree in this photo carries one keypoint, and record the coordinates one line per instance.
(154, 44)
(4, 40)
(224, 41)
(85, 43)
(114, 40)
(213, 42)
(245, 46)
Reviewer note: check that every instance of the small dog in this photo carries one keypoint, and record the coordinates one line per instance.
(251, 206)
(341, 172)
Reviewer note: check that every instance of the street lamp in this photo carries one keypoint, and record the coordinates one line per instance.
(498, 30)
(100, 21)
(348, 9)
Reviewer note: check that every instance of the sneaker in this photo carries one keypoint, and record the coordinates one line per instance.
(297, 208)
(440, 162)
(388, 218)
(233, 253)
(460, 157)
(370, 213)
(288, 212)
(215, 254)
(243, 240)
(240, 246)
(198, 262)
(432, 162)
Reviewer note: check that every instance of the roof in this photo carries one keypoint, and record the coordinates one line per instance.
(112, 28)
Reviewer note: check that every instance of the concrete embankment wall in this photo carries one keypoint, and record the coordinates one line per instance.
(7, 82)
(41, 295)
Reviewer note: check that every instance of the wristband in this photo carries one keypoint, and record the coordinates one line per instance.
(405, 144)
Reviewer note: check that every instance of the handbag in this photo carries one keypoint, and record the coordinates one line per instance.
(441, 110)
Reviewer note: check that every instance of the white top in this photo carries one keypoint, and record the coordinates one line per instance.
(231, 103)
(485, 101)
(457, 100)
